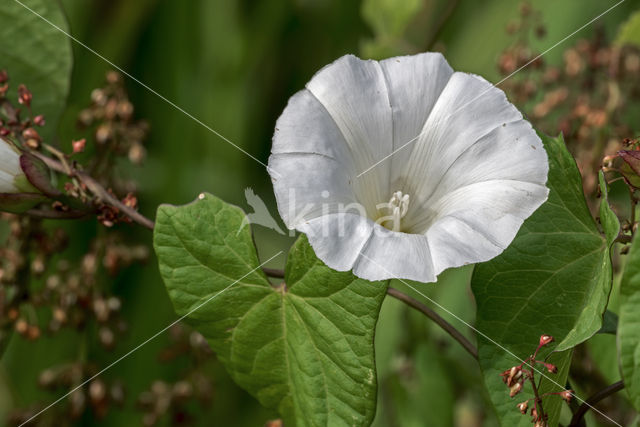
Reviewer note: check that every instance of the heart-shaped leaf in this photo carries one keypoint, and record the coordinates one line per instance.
(555, 278)
(304, 348)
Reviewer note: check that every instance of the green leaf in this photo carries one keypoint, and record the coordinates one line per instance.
(305, 349)
(629, 324)
(630, 31)
(555, 278)
(609, 323)
(35, 53)
(389, 18)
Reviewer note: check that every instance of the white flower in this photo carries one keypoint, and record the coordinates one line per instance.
(10, 172)
(456, 195)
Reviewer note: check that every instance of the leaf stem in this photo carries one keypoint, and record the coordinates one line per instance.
(593, 400)
(446, 326)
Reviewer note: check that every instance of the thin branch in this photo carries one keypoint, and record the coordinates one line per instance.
(53, 214)
(446, 326)
(97, 189)
(593, 400)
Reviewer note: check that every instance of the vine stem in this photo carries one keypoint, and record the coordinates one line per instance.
(95, 188)
(593, 400)
(446, 326)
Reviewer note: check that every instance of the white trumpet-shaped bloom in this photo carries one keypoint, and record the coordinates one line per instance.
(403, 168)
(10, 170)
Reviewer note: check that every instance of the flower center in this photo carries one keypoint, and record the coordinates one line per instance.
(395, 210)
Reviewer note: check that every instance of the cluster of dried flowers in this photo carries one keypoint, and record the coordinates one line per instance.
(516, 376)
(42, 290)
(588, 97)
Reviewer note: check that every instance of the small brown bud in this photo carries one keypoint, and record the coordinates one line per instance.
(78, 146)
(4, 76)
(551, 368)
(97, 391)
(39, 120)
(34, 144)
(85, 118)
(33, 332)
(113, 77)
(566, 395)
(103, 134)
(21, 326)
(545, 339)
(31, 133)
(515, 389)
(125, 110)
(130, 201)
(12, 314)
(522, 407)
(182, 390)
(510, 376)
(136, 153)
(24, 95)
(59, 315)
(47, 378)
(98, 97)
(107, 337)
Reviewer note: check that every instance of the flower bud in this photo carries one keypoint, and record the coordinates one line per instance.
(545, 339)
(551, 368)
(78, 146)
(39, 120)
(630, 169)
(522, 407)
(515, 389)
(24, 95)
(12, 177)
(566, 395)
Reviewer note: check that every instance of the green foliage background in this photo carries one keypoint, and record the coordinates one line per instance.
(233, 64)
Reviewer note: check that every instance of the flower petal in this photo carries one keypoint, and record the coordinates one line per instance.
(509, 152)
(415, 83)
(468, 109)
(392, 255)
(355, 94)
(7, 183)
(9, 167)
(305, 126)
(338, 238)
(308, 185)
(477, 222)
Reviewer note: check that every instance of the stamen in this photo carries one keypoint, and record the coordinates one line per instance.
(398, 207)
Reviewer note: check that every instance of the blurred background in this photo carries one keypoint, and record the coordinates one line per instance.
(233, 64)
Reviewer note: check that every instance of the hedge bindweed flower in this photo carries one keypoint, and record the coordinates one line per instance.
(403, 168)
(12, 178)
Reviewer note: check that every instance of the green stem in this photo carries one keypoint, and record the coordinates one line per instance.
(446, 326)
